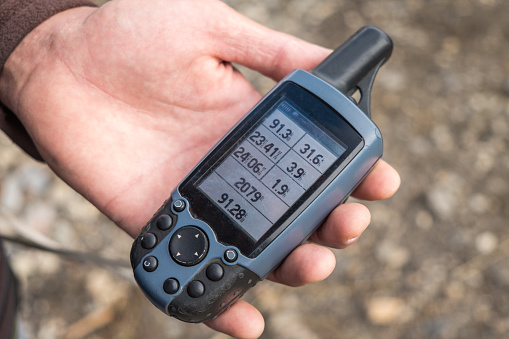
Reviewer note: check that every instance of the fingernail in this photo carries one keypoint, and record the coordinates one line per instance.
(351, 240)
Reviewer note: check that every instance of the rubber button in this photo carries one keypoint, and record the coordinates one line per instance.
(171, 286)
(230, 256)
(150, 264)
(215, 272)
(188, 246)
(179, 205)
(195, 289)
(148, 241)
(164, 222)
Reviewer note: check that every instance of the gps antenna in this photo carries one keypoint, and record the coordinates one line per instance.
(353, 65)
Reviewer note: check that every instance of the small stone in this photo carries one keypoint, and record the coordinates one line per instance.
(441, 201)
(486, 242)
(385, 310)
(35, 178)
(40, 216)
(12, 198)
(393, 255)
(479, 203)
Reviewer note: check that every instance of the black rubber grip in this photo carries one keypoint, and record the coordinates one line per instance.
(218, 295)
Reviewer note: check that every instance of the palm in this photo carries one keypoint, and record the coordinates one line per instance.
(131, 135)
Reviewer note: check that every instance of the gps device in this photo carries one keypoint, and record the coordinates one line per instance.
(265, 187)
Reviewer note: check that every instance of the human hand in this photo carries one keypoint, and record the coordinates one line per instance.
(122, 101)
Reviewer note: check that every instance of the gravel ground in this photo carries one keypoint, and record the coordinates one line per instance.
(432, 264)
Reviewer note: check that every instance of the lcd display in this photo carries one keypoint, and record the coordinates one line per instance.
(270, 168)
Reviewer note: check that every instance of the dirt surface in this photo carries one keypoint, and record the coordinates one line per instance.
(434, 261)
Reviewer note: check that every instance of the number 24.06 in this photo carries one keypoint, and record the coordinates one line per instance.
(251, 162)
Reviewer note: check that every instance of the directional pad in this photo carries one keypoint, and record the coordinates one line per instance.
(188, 246)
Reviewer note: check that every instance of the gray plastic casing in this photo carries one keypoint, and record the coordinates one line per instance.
(303, 225)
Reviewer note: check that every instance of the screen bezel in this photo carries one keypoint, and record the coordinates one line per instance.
(321, 114)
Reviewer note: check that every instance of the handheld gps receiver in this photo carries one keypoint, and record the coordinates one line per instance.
(265, 187)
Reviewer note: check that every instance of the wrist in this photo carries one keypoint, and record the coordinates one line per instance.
(35, 53)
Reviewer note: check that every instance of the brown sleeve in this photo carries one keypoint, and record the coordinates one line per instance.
(17, 19)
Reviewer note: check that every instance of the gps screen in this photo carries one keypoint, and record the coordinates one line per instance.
(271, 168)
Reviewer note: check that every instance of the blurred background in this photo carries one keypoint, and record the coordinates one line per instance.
(434, 261)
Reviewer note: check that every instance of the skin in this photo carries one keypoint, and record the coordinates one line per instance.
(122, 101)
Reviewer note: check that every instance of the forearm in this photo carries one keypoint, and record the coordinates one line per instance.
(18, 22)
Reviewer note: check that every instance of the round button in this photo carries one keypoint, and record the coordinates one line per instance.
(215, 272)
(195, 289)
(171, 286)
(230, 255)
(148, 241)
(150, 264)
(188, 246)
(164, 222)
(179, 205)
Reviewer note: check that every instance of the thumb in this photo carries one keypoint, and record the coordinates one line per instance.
(272, 53)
